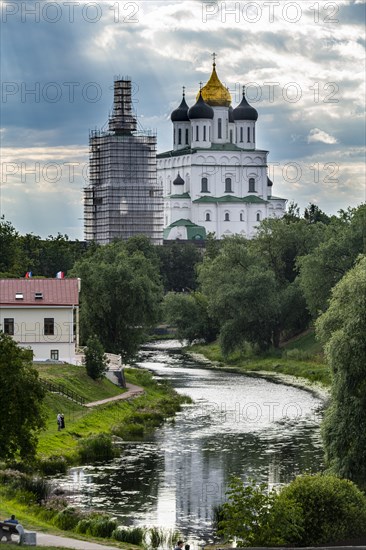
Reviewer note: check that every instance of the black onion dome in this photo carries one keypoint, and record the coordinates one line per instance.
(181, 113)
(244, 111)
(231, 116)
(178, 180)
(200, 109)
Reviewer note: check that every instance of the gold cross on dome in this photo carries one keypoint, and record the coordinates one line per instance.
(214, 59)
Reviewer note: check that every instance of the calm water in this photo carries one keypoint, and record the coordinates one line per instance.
(238, 424)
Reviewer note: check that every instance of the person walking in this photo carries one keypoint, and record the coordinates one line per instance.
(59, 422)
(62, 420)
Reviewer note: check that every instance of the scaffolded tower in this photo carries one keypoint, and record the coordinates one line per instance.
(123, 198)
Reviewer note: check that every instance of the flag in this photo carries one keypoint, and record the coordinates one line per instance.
(28, 275)
(60, 275)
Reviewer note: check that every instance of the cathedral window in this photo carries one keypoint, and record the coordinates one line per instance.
(208, 217)
(204, 185)
(251, 185)
(254, 133)
(187, 136)
(204, 133)
(219, 128)
(197, 133)
(248, 134)
(228, 188)
(180, 136)
(227, 217)
(258, 216)
(241, 134)
(174, 136)
(231, 136)
(241, 216)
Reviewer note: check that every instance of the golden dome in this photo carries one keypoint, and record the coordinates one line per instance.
(214, 92)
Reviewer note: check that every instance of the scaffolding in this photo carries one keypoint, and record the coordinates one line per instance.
(123, 198)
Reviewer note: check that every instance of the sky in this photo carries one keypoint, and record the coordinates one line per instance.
(303, 64)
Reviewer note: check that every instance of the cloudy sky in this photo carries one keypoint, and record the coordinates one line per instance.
(303, 63)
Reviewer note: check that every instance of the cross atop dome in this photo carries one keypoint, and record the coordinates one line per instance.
(214, 92)
(214, 59)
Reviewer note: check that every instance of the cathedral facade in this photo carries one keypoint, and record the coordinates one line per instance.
(214, 179)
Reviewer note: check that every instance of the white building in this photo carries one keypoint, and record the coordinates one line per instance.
(215, 179)
(42, 314)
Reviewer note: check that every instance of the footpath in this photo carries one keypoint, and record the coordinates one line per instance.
(132, 391)
(44, 539)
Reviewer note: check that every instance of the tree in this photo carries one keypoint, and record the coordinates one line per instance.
(313, 214)
(21, 396)
(96, 362)
(343, 240)
(120, 297)
(8, 246)
(342, 329)
(178, 266)
(189, 313)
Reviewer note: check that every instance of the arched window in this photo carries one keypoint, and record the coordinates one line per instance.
(258, 216)
(231, 136)
(204, 133)
(174, 136)
(219, 128)
(180, 136)
(227, 217)
(208, 217)
(187, 136)
(241, 134)
(251, 185)
(241, 216)
(197, 133)
(204, 185)
(254, 133)
(248, 134)
(228, 188)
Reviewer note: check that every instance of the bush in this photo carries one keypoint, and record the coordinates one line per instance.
(96, 447)
(52, 465)
(83, 526)
(102, 527)
(333, 509)
(96, 362)
(134, 535)
(298, 354)
(67, 519)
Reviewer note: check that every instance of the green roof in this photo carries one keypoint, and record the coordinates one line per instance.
(214, 147)
(271, 197)
(182, 196)
(251, 199)
(194, 232)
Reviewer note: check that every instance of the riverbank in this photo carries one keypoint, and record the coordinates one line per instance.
(292, 366)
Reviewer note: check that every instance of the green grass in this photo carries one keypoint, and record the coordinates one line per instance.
(75, 379)
(302, 357)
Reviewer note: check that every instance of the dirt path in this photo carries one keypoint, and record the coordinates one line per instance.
(44, 539)
(132, 391)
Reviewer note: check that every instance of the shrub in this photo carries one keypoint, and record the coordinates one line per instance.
(133, 535)
(83, 526)
(67, 519)
(52, 465)
(96, 447)
(333, 509)
(297, 354)
(102, 527)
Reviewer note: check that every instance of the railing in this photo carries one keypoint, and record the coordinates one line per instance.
(58, 388)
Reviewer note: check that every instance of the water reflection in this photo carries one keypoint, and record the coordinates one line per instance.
(239, 425)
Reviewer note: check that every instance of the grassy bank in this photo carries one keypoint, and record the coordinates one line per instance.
(301, 357)
(125, 418)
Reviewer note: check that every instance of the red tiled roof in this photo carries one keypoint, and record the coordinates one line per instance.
(59, 292)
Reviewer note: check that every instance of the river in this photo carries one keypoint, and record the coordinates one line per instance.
(237, 425)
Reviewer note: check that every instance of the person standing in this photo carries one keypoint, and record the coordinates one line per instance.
(179, 545)
(62, 421)
(59, 422)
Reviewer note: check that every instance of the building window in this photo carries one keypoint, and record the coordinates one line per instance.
(180, 136)
(227, 217)
(258, 217)
(49, 326)
(174, 136)
(241, 216)
(54, 354)
(219, 128)
(231, 136)
(197, 133)
(251, 185)
(228, 188)
(208, 217)
(254, 133)
(9, 326)
(187, 136)
(241, 135)
(248, 134)
(204, 133)
(204, 185)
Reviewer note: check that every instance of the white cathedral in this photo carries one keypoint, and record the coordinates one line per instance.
(214, 179)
